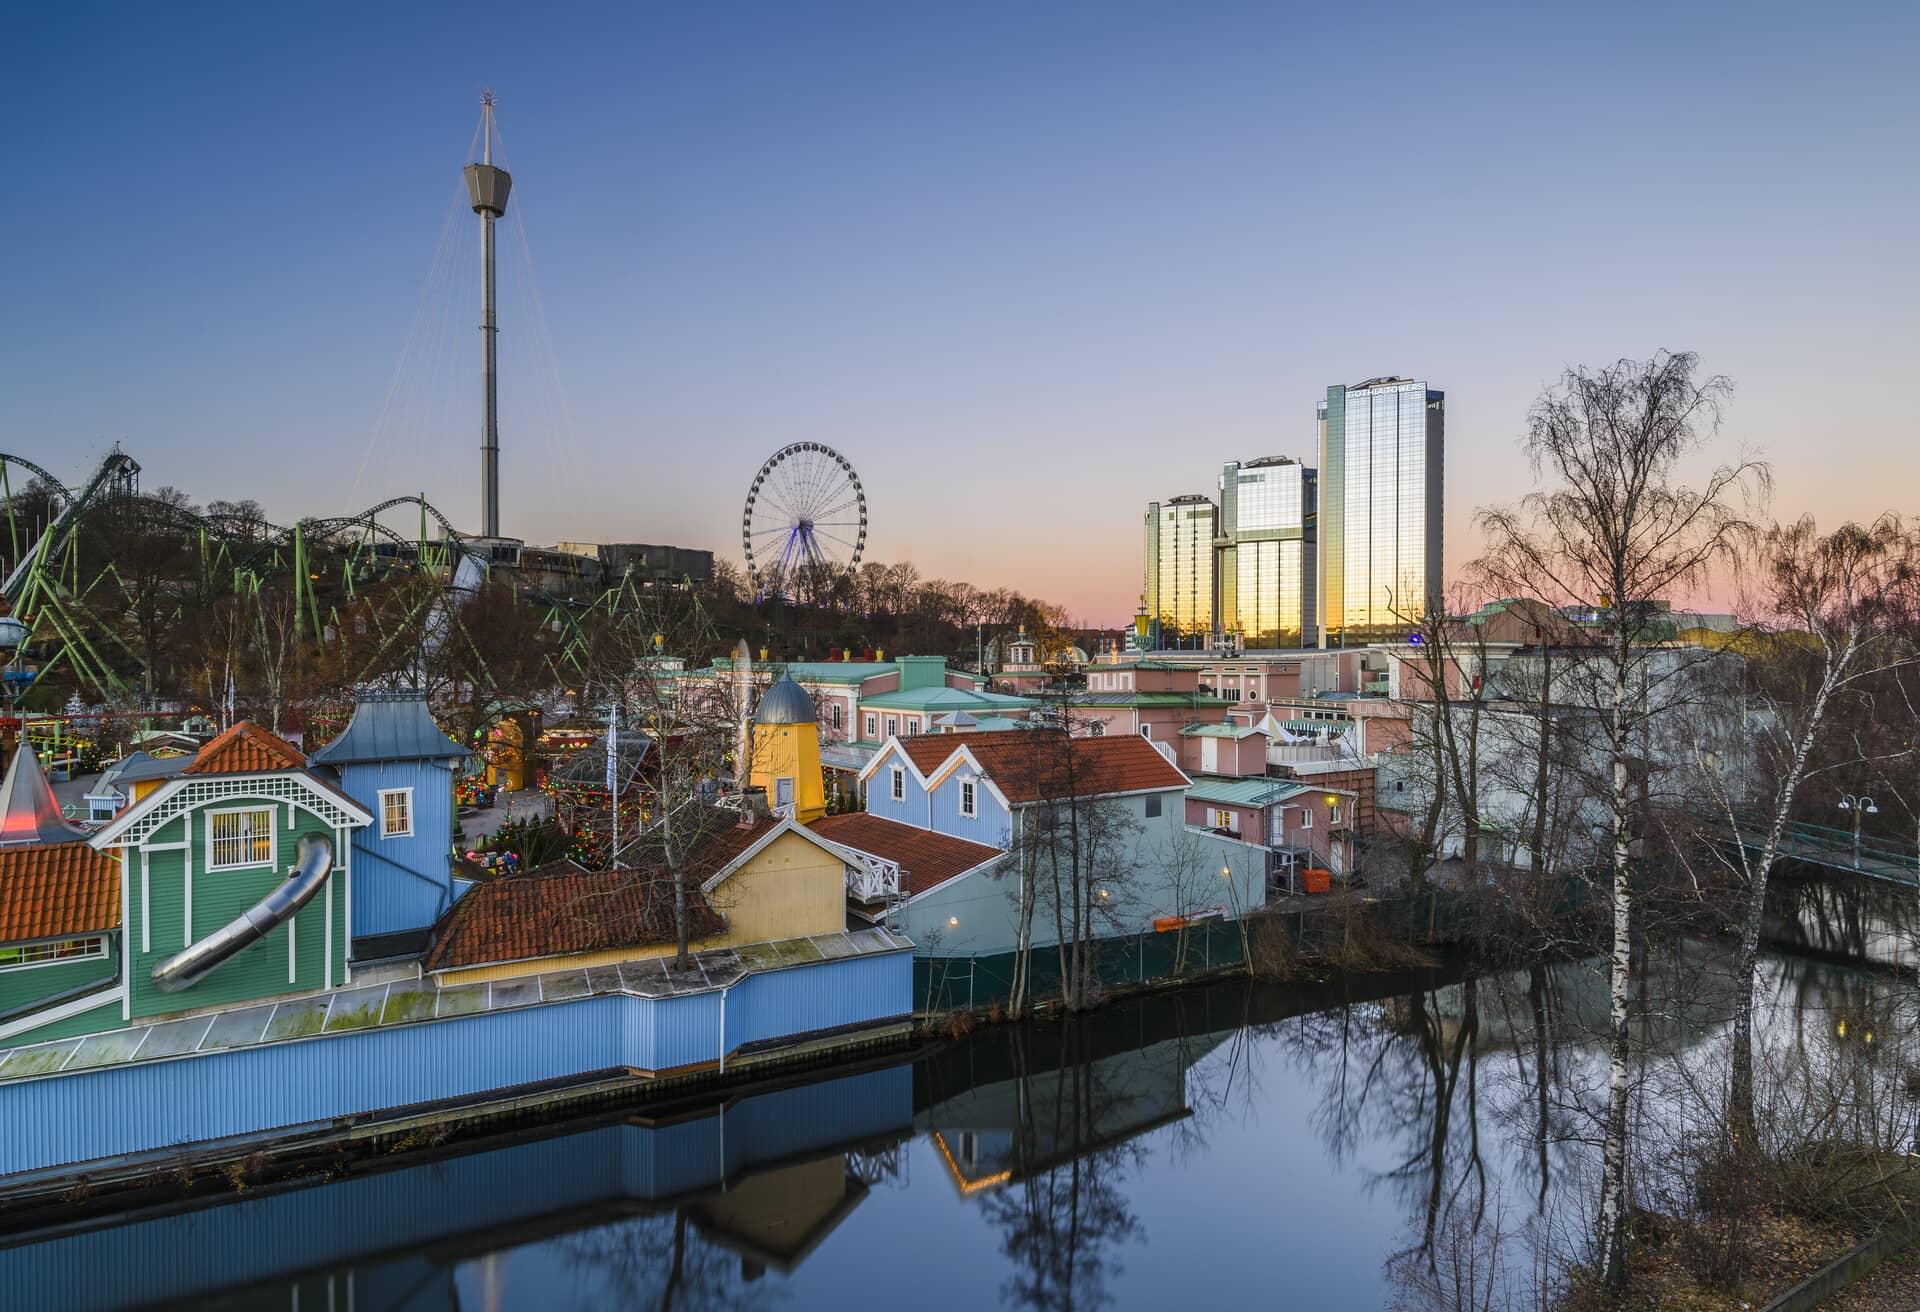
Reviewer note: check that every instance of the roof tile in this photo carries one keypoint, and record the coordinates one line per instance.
(53, 890)
(1030, 766)
(927, 860)
(560, 909)
(247, 749)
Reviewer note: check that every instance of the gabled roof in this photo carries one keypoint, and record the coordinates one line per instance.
(561, 909)
(52, 891)
(28, 812)
(139, 767)
(926, 859)
(390, 725)
(247, 749)
(1030, 766)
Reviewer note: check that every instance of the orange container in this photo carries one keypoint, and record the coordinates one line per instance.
(1316, 881)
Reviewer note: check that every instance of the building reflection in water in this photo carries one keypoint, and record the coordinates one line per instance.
(1453, 1119)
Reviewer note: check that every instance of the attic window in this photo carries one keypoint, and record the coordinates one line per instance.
(236, 839)
(969, 799)
(45, 954)
(899, 784)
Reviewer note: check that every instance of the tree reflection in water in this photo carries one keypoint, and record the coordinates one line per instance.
(1065, 1223)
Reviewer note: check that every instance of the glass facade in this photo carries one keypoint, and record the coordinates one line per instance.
(1382, 446)
(1179, 575)
(1266, 554)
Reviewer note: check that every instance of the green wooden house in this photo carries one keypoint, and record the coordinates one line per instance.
(194, 855)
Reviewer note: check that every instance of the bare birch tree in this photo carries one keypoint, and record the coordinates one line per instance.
(1614, 530)
(1820, 627)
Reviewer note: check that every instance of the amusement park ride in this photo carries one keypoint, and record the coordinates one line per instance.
(73, 552)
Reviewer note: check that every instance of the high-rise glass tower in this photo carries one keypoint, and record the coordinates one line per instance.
(1179, 579)
(1265, 559)
(1382, 448)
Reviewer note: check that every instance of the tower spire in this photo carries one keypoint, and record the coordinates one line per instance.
(487, 188)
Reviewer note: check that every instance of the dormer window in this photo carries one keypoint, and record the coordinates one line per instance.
(969, 799)
(899, 784)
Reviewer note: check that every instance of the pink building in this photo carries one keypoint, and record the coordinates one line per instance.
(1307, 825)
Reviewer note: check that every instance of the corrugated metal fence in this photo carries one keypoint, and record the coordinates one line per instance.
(103, 1112)
(949, 983)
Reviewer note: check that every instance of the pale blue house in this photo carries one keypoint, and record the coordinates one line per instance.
(945, 813)
(395, 761)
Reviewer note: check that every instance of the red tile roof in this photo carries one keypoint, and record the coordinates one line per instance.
(927, 860)
(561, 909)
(50, 891)
(247, 749)
(1030, 765)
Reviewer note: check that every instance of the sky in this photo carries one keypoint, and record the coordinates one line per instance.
(1027, 266)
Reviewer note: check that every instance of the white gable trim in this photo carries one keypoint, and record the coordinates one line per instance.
(892, 748)
(294, 788)
(962, 757)
(787, 825)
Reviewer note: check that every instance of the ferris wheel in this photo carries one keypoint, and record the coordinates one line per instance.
(805, 522)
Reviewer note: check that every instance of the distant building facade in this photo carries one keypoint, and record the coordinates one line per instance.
(1265, 560)
(1382, 448)
(1178, 586)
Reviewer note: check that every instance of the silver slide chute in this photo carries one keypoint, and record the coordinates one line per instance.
(182, 970)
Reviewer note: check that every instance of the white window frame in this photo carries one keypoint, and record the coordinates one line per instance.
(969, 799)
(912, 726)
(1221, 818)
(873, 726)
(833, 710)
(898, 790)
(96, 951)
(273, 839)
(893, 726)
(406, 794)
(1306, 817)
(1146, 731)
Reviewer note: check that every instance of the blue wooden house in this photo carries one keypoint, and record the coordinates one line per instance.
(395, 761)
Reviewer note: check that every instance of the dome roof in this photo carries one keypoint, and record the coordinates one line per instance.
(785, 703)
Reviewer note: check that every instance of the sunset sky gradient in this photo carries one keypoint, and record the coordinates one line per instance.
(1027, 266)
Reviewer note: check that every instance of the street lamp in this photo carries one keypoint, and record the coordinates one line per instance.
(1861, 807)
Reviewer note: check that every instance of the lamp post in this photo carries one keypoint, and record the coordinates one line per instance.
(1861, 807)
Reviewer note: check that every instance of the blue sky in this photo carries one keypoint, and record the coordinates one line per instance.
(1028, 266)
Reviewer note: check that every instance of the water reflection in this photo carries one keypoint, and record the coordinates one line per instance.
(1424, 1142)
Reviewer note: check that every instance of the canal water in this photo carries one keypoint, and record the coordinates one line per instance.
(1336, 1146)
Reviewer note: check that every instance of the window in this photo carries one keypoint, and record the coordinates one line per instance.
(913, 726)
(873, 727)
(240, 838)
(833, 713)
(969, 799)
(1333, 814)
(1146, 731)
(1306, 818)
(899, 784)
(43, 954)
(1097, 729)
(1221, 818)
(396, 813)
(1153, 807)
(893, 725)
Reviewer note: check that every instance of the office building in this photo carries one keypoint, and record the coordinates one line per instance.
(1265, 560)
(1382, 444)
(1178, 585)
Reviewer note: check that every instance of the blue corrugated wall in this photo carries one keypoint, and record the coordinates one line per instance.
(164, 1258)
(401, 883)
(67, 1119)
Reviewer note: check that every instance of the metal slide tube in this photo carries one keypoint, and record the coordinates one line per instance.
(182, 970)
